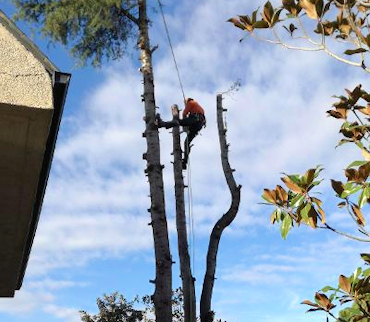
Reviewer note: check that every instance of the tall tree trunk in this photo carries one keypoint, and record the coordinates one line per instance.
(206, 314)
(185, 269)
(163, 279)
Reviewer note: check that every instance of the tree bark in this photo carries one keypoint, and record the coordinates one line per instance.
(185, 268)
(163, 280)
(206, 314)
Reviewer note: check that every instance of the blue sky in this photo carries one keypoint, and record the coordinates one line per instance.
(93, 236)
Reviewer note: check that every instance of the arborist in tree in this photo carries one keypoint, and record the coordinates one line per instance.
(193, 118)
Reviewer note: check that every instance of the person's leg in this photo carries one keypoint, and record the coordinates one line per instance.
(167, 125)
(191, 135)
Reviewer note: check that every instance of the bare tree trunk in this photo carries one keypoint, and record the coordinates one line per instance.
(163, 280)
(185, 269)
(206, 314)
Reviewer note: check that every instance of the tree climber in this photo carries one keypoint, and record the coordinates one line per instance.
(192, 117)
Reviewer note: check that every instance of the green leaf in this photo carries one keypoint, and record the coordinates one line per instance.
(285, 226)
(362, 199)
(366, 257)
(328, 288)
(356, 164)
(355, 51)
(343, 141)
(261, 24)
(304, 212)
(297, 200)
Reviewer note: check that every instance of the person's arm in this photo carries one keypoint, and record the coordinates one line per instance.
(186, 110)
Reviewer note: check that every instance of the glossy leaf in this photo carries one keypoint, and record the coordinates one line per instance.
(344, 284)
(285, 226)
(359, 216)
(355, 51)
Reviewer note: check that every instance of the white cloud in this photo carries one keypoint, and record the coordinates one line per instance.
(96, 201)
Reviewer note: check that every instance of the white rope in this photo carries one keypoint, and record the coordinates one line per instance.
(173, 53)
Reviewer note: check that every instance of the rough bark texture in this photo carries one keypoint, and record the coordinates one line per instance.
(185, 269)
(163, 280)
(206, 314)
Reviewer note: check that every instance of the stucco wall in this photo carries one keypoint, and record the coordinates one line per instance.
(23, 79)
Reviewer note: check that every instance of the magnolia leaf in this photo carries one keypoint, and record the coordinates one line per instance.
(341, 204)
(268, 12)
(269, 196)
(281, 194)
(366, 257)
(356, 164)
(355, 51)
(237, 23)
(261, 24)
(365, 154)
(336, 114)
(322, 213)
(291, 185)
(317, 201)
(275, 17)
(309, 176)
(337, 186)
(312, 218)
(358, 214)
(307, 302)
(323, 301)
(273, 217)
(364, 171)
(344, 284)
(343, 141)
(309, 8)
(365, 110)
(286, 224)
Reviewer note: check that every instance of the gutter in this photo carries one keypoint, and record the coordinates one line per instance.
(60, 88)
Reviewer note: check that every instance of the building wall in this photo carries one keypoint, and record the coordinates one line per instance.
(23, 79)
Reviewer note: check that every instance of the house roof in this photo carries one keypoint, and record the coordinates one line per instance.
(60, 83)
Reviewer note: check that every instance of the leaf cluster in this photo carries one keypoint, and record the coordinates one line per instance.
(296, 205)
(342, 20)
(93, 29)
(354, 290)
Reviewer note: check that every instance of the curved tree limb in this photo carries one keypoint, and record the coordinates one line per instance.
(206, 314)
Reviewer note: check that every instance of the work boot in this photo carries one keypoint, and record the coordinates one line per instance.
(159, 121)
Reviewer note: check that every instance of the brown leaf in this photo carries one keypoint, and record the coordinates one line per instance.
(237, 23)
(337, 186)
(309, 7)
(355, 51)
(352, 175)
(341, 204)
(322, 213)
(324, 302)
(338, 115)
(281, 194)
(359, 216)
(365, 110)
(291, 185)
(269, 195)
(307, 302)
(344, 284)
(309, 176)
(312, 217)
(364, 171)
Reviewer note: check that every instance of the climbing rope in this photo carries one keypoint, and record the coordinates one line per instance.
(190, 192)
(170, 43)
